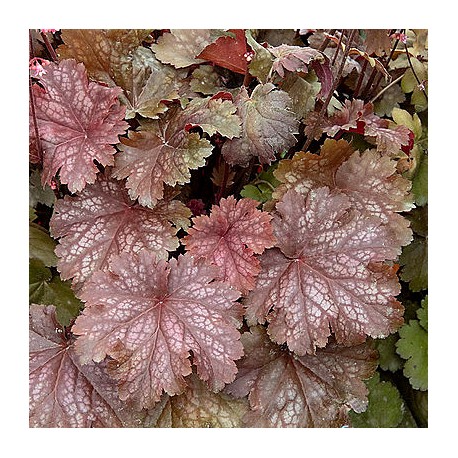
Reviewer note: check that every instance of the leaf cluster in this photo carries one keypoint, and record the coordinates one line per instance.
(228, 228)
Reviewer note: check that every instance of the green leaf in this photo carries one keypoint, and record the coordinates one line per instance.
(414, 262)
(39, 194)
(39, 275)
(252, 192)
(32, 214)
(420, 181)
(413, 347)
(385, 409)
(389, 360)
(48, 290)
(262, 60)
(422, 313)
(41, 245)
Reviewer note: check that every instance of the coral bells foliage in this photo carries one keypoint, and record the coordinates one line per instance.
(222, 275)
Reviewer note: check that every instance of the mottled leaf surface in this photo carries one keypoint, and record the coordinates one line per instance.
(385, 408)
(164, 152)
(268, 125)
(60, 393)
(148, 314)
(230, 237)
(180, 47)
(103, 221)
(198, 407)
(78, 122)
(326, 274)
(310, 391)
(369, 179)
(294, 58)
(356, 116)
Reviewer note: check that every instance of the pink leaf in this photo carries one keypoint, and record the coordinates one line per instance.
(103, 221)
(62, 394)
(294, 58)
(78, 122)
(229, 238)
(326, 274)
(148, 314)
(356, 116)
(303, 392)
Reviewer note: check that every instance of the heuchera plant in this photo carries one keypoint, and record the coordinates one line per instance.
(228, 228)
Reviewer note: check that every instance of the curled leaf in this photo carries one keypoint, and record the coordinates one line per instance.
(102, 221)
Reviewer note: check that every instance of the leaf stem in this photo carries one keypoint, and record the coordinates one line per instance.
(222, 188)
(331, 92)
(50, 49)
(399, 78)
(420, 83)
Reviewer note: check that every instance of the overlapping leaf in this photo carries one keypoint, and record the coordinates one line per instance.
(294, 58)
(198, 407)
(103, 221)
(229, 238)
(62, 394)
(268, 125)
(180, 47)
(369, 179)
(326, 274)
(147, 314)
(78, 122)
(117, 58)
(356, 116)
(164, 151)
(309, 391)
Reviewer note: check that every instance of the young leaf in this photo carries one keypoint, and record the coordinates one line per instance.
(164, 151)
(48, 290)
(147, 314)
(309, 391)
(229, 238)
(197, 407)
(326, 273)
(61, 395)
(103, 221)
(78, 121)
(268, 125)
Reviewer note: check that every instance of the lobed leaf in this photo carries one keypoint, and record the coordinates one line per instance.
(180, 47)
(230, 237)
(268, 125)
(369, 179)
(148, 314)
(102, 221)
(326, 273)
(78, 122)
(164, 151)
(61, 394)
(308, 391)
(198, 407)
(385, 409)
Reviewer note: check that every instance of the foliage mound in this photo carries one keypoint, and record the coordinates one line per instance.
(228, 228)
